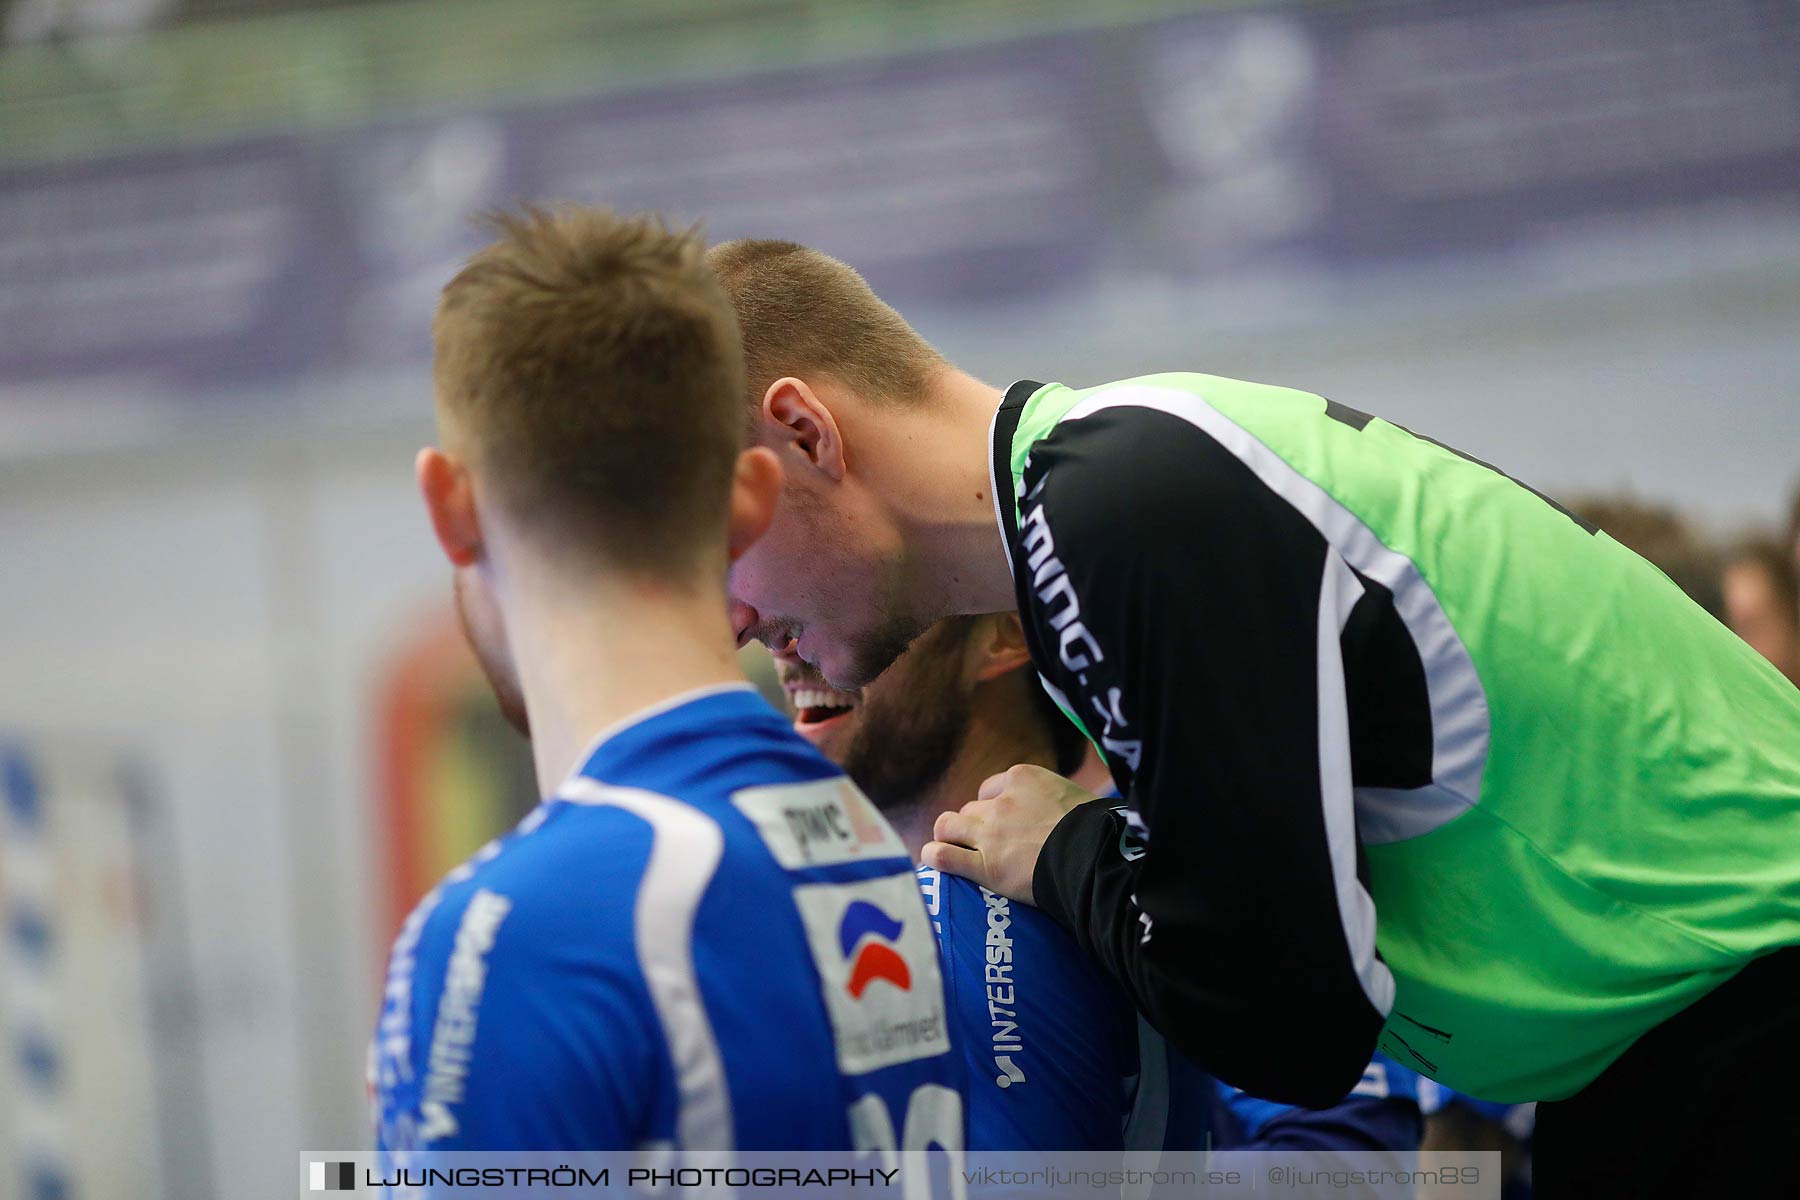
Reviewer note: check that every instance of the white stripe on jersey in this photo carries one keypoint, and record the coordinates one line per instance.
(1459, 709)
(684, 853)
(1459, 712)
(1339, 590)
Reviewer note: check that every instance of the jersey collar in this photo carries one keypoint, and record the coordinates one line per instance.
(679, 700)
(1000, 479)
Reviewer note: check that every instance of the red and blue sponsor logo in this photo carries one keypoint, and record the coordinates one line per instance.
(866, 936)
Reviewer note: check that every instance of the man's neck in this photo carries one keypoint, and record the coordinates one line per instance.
(591, 657)
(1004, 731)
(960, 560)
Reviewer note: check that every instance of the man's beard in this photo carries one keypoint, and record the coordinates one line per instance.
(910, 731)
(875, 650)
(871, 650)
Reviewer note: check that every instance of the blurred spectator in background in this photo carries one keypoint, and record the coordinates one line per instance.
(1793, 530)
(1762, 601)
(1664, 538)
(1458, 1123)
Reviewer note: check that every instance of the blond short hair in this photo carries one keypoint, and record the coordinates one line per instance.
(592, 365)
(802, 313)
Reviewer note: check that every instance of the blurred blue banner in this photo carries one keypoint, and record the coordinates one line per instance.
(1318, 139)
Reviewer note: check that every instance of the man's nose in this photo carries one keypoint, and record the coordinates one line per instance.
(743, 621)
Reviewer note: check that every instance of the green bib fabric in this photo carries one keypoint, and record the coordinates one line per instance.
(1614, 829)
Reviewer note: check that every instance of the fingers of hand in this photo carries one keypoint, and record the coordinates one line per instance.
(959, 827)
(957, 860)
(995, 785)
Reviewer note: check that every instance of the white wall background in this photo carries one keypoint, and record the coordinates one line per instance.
(221, 610)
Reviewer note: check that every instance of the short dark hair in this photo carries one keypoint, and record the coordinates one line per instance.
(593, 363)
(1793, 526)
(1663, 537)
(803, 312)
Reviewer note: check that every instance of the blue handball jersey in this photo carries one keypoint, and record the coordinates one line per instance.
(707, 939)
(1383, 1112)
(1055, 1058)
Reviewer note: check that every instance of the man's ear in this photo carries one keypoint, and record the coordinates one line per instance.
(449, 492)
(755, 491)
(794, 415)
(1000, 646)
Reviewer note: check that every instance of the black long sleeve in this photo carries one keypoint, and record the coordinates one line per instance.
(1192, 616)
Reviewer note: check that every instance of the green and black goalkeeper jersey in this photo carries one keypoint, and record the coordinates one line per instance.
(1421, 757)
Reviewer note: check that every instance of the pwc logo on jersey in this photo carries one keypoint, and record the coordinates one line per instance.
(872, 945)
(819, 824)
(867, 936)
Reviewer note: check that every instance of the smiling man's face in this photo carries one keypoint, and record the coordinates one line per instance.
(896, 737)
(830, 580)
